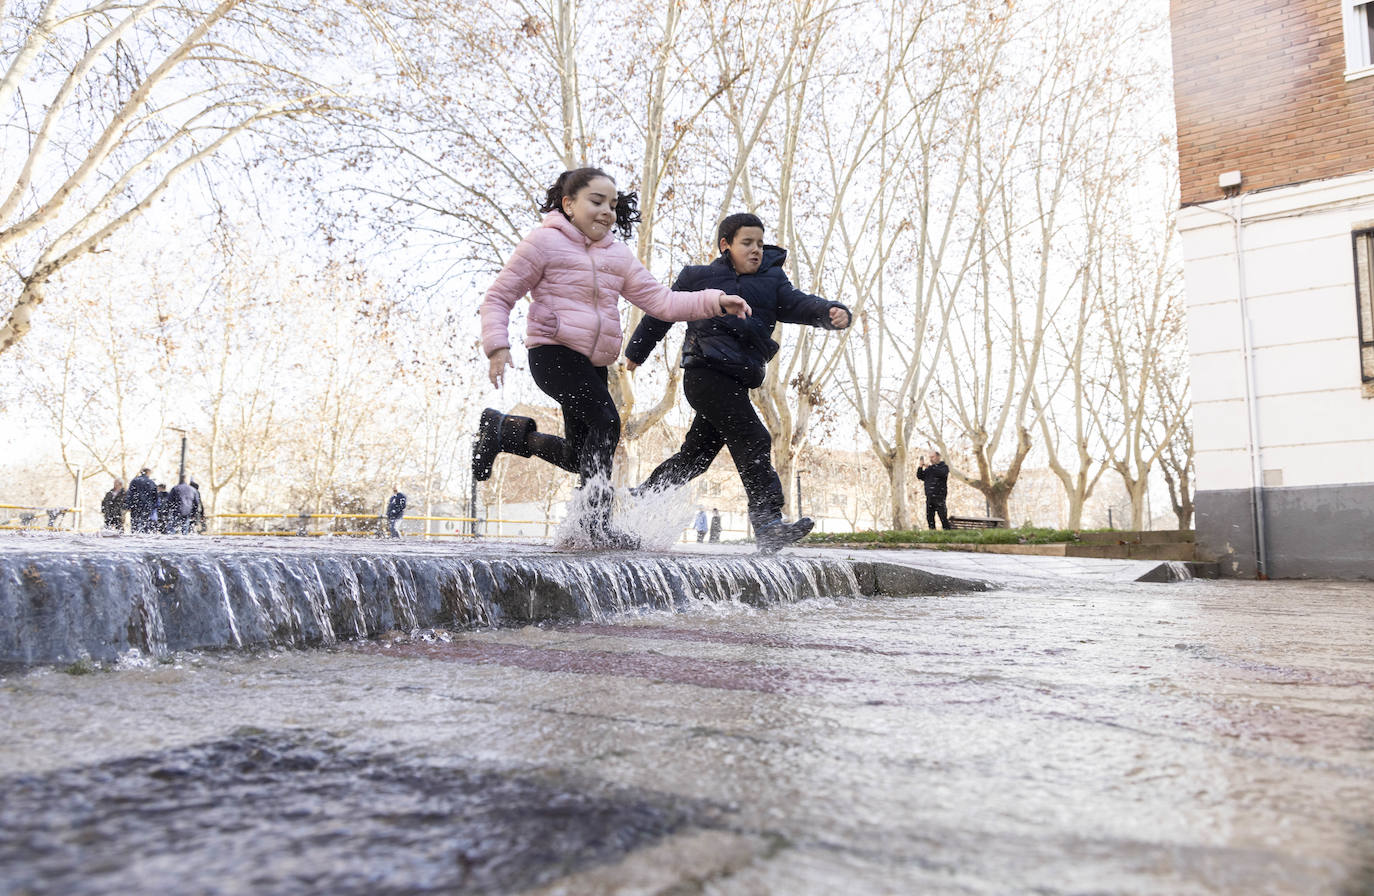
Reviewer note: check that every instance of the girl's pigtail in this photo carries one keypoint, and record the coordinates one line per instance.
(553, 196)
(626, 213)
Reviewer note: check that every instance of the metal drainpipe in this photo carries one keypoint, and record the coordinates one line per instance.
(1247, 366)
(1251, 411)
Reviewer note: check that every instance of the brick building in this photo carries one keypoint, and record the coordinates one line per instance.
(1275, 112)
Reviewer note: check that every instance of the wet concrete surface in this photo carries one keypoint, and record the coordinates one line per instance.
(1073, 731)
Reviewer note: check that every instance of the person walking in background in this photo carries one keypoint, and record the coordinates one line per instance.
(142, 501)
(198, 523)
(724, 358)
(181, 503)
(162, 514)
(112, 506)
(573, 268)
(715, 525)
(699, 524)
(395, 510)
(935, 476)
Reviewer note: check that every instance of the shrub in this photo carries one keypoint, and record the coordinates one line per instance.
(1023, 535)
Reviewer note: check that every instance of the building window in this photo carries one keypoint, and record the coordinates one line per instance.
(1364, 299)
(1359, 37)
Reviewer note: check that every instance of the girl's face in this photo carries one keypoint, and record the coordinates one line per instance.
(592, 208)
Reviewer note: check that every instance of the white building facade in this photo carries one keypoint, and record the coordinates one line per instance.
(1280, 322)
(1275, 115)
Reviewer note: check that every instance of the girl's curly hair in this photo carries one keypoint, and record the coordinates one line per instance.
(570, 183)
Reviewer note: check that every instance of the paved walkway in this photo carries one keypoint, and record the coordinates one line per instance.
(1009, 569)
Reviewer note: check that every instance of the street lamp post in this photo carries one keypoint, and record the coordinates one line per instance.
(181, 471)
(76, 501)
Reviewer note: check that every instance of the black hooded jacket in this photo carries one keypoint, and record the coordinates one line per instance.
(739, 348)
(936, 479)
(142, 495)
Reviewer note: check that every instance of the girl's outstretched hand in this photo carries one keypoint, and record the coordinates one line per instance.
(500, 360)
(735, 305)
(839, 318)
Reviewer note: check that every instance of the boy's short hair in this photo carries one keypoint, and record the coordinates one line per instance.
(731, 225)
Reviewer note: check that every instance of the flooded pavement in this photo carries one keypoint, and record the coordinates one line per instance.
(1070, 732)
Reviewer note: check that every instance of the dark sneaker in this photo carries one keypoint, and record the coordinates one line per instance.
(776, 536)
(487, 444)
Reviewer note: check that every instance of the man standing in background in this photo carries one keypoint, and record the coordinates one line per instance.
(395, 509)
(182, 501)
(142, 500)
(935, 475)
(112, 506)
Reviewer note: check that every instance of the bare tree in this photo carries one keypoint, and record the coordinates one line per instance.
(1049, 131)
(908, 252)
(236, 337)
(1068, 387)
(1176, 461)
(736, 75)
(119, 102)
(794, 388)
(100, 397)
(437, 388)
(1143, 322)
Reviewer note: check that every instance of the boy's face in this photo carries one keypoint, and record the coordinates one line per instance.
(746, 250)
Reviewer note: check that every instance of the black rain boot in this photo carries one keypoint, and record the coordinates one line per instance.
(776, 535)
(497, 432)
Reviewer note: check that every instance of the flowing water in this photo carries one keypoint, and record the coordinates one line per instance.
(72, 598)
(1065, 733)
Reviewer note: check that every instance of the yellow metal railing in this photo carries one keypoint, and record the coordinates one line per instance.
(30, 515)
(311, 525)
(303, 525)
(307, 524)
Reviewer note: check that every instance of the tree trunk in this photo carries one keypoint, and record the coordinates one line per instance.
(998, 498)
(1075, 516)
(18, 323)
(1138, 491)
(896, 473)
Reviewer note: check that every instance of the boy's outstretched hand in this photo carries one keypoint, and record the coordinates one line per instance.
(735, 305)
(839, 318)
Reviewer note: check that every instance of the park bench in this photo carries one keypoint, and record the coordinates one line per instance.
(977, 522)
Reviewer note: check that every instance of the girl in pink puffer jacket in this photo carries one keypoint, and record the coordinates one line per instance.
(574, 270)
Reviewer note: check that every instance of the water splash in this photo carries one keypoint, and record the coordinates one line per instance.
(656, 517)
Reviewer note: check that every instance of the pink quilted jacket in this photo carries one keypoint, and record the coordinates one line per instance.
(573, 284)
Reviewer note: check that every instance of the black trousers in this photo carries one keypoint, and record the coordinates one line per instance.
(934, 506)
(725, 417)
(591, 424)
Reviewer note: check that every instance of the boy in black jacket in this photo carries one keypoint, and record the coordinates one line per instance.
(724, 357)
